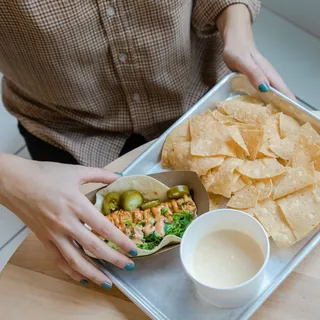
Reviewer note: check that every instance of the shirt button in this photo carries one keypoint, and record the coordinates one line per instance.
(110, 12)
(136, 98)
(123, 58)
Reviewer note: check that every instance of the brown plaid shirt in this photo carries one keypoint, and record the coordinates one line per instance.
(84, 74)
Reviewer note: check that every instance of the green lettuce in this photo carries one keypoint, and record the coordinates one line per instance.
(181, 220)
(178, 226)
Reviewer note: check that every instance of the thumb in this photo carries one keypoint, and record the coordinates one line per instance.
(255, 74)
(89, 174)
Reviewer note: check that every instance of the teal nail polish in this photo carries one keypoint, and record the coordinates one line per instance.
(84, 282)
(264, 87)
(133, 252)
(119, 173)
(129, 267)
(106, 285)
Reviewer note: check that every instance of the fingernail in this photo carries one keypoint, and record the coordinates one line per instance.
(106, 285)
(264, 87)
(84, 282)
(119, 173)
(129, 267)
(133, 252)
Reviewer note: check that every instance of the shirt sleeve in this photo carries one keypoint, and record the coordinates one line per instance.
(205, 13)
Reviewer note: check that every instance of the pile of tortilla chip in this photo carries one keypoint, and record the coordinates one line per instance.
(253, 158)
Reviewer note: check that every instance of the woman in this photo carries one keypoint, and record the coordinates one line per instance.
(89, 81)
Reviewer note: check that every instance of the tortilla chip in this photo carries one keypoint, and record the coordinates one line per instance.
(217, 115)
(272, 109)
(209, 138)
(223, 177)
(179, 133)
(215, 201)
(237, 183)
(265, 187)
(272, 219)
(207, 179)
(250, 211)
(286, 148)
(181, 159)
(302, 210)
(253, 139)
(287, 125)
(237, 138)
(311, 134)
(295, 179)
(246, 198)
(244, 112)
(248, 99)
(266, 152)
(261, 168)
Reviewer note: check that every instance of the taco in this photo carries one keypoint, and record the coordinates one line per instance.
(147, 211)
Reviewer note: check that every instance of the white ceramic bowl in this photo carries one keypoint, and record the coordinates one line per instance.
(227, 219)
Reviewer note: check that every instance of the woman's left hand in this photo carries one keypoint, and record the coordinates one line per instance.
(240, 52)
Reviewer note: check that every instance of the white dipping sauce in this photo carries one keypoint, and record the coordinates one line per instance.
(226, 258)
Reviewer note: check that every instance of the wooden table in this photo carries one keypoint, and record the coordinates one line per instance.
(32, 287)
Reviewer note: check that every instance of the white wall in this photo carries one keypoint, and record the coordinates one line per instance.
(303, 13)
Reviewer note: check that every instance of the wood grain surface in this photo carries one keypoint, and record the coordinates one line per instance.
(32, 287)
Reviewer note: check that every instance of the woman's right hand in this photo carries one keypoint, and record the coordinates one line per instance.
(46, 197)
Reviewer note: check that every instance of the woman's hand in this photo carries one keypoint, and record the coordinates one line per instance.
(46, 197)
(241, 54)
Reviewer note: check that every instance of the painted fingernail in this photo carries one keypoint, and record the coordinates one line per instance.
(264, 87)
(84, 282)
(106, 285)
(129, 267)
(133, 252)
(119, 173)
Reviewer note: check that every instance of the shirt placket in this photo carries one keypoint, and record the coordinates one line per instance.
(117, 25)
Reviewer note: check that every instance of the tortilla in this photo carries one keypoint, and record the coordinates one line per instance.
(209, 138)
(246, 198)
(271, 135)
(207, 179)
(220, 117)
(248, 99)
(238, 139)
(223, 177)
(294, 180)
(261, 168)
(151, 189)
(253, 139)
(179, 133)
(286, 147)
(215, 201)
(244, 112)
(181, 159)
(272, 109)
(265, 188)
(237, 183)
(287, 125)
(312, 135)
(272, 219)
(302, 210)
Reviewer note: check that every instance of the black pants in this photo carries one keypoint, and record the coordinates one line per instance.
(43, 151)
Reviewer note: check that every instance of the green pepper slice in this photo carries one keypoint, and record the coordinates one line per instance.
(150, 204)
(111, 203)
(178, 192)
(131, 200)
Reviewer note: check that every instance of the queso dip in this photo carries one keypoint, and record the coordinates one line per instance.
(226, 258)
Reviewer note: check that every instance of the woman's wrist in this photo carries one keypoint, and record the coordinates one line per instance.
(234, 23)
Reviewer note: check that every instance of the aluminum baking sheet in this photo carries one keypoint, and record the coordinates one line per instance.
(159, 285)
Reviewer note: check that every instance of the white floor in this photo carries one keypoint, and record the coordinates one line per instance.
(294, 53)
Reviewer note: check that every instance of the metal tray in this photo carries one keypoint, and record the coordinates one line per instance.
(159, 285)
